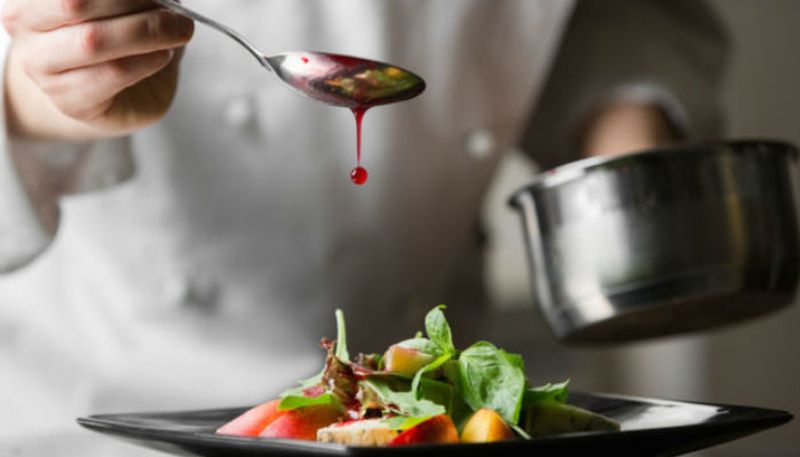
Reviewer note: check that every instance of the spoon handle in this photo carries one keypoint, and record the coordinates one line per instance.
(176, 7)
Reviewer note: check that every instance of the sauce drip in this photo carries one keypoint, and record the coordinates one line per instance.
(350, 82)
(359, 174)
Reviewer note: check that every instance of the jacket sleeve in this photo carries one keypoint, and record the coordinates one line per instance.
(667, 52)
(34, 175)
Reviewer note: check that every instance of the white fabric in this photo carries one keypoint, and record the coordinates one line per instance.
(205, 279)
(669, 53)
(26, 199)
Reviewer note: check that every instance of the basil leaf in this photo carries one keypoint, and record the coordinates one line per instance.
(555, 392)
(303, 385)
(492, 378)
(447, 395)
(439, 343)
(423, 345)
(341, 337)
(514, 359)
(521, 432)
(294, 402)
(439, 361)
(403, 422)
(403, 402)
(439, 330)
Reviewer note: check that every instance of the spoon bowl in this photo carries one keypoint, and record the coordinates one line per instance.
(347, 81)
(334, 79)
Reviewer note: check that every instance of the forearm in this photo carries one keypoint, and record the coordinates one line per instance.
(669, 54)
(625, 127)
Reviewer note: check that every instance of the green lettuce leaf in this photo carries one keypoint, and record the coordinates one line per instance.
(521, 432)
(447, 395)
(341, 337)
(492, 378)
(438, 343)
(514, 359)
(439, 330)
(438, 362)
(421, 344)
(402, 402)
(303, 385)
(548, 392)
(293, 402)
(404, 422)
(340, 352)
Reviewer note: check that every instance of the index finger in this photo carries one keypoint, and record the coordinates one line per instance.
(46, 15)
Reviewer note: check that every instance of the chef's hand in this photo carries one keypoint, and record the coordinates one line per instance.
(81, 70)
(625, 127)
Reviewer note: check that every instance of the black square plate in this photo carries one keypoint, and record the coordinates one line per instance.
(650, 427)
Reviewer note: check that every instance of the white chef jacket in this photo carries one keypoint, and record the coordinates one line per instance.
(196, 263)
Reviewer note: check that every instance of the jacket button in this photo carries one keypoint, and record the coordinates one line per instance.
(240, 112)
(480, 143)
(201, 293)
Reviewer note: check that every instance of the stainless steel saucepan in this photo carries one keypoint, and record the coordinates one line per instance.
(665, 241)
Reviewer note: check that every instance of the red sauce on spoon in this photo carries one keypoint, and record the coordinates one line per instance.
(351, 82)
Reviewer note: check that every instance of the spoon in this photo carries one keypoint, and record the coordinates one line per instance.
(334, 79)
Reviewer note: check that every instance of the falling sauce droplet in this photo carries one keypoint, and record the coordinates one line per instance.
(359, 176)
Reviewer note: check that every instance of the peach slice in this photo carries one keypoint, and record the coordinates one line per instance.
(303, 423)
(486, 426)
(438, 429)
(253, 421)
(405, 361)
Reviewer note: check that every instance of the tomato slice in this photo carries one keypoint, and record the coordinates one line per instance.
(253, 421)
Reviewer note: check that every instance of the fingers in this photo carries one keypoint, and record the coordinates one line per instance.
(103, 63)
(46, 15)
(101, 83)
(95, 42)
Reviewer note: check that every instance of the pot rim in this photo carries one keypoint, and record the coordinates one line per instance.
(571, 171)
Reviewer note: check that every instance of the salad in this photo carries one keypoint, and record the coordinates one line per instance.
(422, 390)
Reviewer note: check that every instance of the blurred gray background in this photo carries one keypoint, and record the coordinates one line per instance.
(757, 363)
